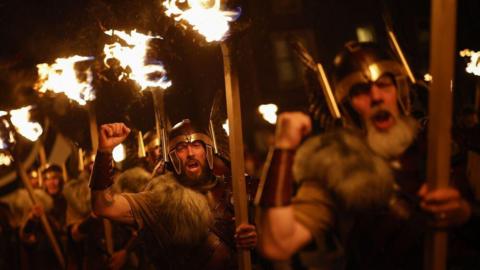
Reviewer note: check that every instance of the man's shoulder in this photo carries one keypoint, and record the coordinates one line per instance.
(166, 180)
(341, 162)
(323, 151)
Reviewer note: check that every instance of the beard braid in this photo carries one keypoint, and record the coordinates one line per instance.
(393, 142)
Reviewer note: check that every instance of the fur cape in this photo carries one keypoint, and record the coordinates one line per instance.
(132, 180)
(20, 204)
(342, 163)
(181, 216)
(77, 194)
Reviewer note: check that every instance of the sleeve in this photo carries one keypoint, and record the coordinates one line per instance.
(139, 204)
(313, 208)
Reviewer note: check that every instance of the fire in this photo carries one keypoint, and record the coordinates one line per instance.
(205, 17)
(61, 77)
(269, 112)
(134, 56)
(473, 66)
(21, 120)
(5, 159)
(6, 136)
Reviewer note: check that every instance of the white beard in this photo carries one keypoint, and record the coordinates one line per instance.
(393, 142)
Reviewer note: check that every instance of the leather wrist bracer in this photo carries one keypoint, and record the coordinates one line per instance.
(102, 173)
(277, 190)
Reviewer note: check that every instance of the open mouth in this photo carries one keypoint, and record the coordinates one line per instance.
(382, 119)
(192, 165)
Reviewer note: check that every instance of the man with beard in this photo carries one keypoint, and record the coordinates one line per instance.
(185, 217)
(361, 201)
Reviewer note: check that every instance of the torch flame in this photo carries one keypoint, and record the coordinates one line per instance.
(61, 77)
(269, 112)
(21, 120)
(473, 66)
(211, 22)
(5, 159)
(8, 138)
(134, 56)
(3, 145)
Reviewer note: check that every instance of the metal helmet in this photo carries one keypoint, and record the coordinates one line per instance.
(366, 62)
(185, 131)
(53, 171)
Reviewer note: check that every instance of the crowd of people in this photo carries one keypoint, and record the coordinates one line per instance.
(352, 197)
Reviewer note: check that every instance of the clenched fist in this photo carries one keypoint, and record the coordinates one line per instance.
(112, 135)
(291, 128)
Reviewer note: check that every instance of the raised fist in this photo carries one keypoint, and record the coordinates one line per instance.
(291, 128)
(112, 135)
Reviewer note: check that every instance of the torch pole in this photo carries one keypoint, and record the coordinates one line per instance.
(92, 117)
(43, 218)
(107, 225)
(160, 121)
(43, 162)
(442, 47)
(236, 149)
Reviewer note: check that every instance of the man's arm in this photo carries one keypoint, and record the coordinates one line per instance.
(280, 235)
(112, 206)
(104, 202)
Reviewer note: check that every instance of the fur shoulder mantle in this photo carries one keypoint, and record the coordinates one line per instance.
(341, 162)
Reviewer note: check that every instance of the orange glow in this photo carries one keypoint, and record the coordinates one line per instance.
(134, 56)
(21, 120)
(205, 17)
(61, 77)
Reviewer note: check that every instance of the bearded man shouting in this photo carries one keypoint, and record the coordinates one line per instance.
(184, 216)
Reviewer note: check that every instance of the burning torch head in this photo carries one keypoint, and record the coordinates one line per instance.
(183, 135)
(363, 63)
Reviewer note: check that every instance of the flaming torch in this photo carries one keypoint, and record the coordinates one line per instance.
(210, 21)
(62, 77)
(146, 73)
(206, 18)
(12, 124)
(6, 138)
